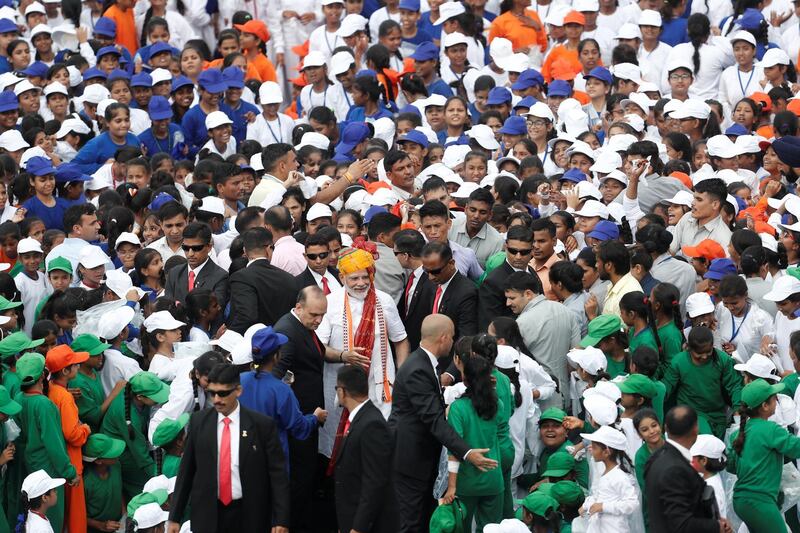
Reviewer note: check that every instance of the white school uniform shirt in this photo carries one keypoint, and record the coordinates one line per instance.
(198, 335)
(751, 329)
(181, 397)
(715, 482)
(234, 427)
(634, 440)
(715, 10)
(37, 524)
(791, 38)
(230, 148)
(268, 132)
(616, 490)
(735, 85)
(180, 31)
(523, 427)
(32, 292)
(652, 63)
(715, 56)
(500, 80)
(140, 121)
(782, 329)
(164, 367)
(605, 38)
(475, 54)
(117, 367)
(613, 21)
(332, 98)
(321, 40)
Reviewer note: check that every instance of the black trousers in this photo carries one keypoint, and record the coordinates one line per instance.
(415, 503)
(303, 480)
(229, 517)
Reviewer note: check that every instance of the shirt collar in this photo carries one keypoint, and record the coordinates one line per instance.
(404, 195)
(684, 451)
(199, 268)
(355, 410)
(234, 416)
(256, 259)
(433, 360)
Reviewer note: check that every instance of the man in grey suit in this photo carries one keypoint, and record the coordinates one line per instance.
(389, 274)
(200, 271)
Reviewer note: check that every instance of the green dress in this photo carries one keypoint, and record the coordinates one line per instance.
(503, 388)
(4, 528)
(615, 368)
(41, 444)
(481, 492)
(103, 496)
(642, 455)
(658, 400)
(91, 399)
(758, 470)
(11, 382)
(135, 462)
(671, 340)
(645, 337)
(709, 388)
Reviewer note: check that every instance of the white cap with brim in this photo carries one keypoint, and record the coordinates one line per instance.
(215, 119)
(613, 438)
(114, 322)
(72, 125)
(213, 204)
(148, 516)
(465, 190)
(38, 483)
(708, 446)
(12, 141)
(681, 198)
(319, 210)
(242, 353)
(160, 75)
(351, 24)
(28, 245)
(120, 283)
(312, 138)
(162, 320)
(25, 86)
(484, 135)
(314, 59)
(604, 388)
(774, 56)
(592, 360)
(127, 236)
(692, 108)
(269, 93)
(103, 105)
(593, 208)
(341, 62)
(783, 288)
(94, 94)
(228, 340)
(759, 366)
(92, 256)
(449, 10)
(603, 410)
(698, 304)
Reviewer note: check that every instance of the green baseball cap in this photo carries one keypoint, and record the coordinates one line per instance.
(17, 342)
(553, 413)
(544, 488)
(7, 405)
(102, 446)
(638, 384)
(559, 464)
(753, 394)
(158, 496)
(168, 430)
(89, 343)
(568, 493)
(147, 384)
(30, 367)
(448, 518)
(600, 328)
(540, 504)
(60, 263)
(6, 304)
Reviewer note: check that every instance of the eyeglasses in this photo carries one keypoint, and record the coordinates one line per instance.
(537, 123)
(195, 248)
(435, 271)
(517, 251)
(680, 77)
(220, 393)
(396, 253)
(314, 257)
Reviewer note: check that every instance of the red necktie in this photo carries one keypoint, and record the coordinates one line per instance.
(325, 288)
(225, 483)
(408, 290)
(191, 280)
(436, 299)
(347, 427)
(316, 341)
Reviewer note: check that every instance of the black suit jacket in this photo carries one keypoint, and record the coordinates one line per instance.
(418, 419)
(364, 495)
(492, 295)
(674, 491)
(265, 485)
(212, 277)
(260, 293)
(460, 303)
(421, 305)
(305, 359)
(306, 279)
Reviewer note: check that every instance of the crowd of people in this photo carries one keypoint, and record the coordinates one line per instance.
(399, 265)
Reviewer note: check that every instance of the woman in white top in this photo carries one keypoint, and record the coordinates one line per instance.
(326, 38)
(741, 323)
(161, 331)
(652, 52)
(742, 79)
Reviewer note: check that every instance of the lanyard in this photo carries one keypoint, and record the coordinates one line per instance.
(324, 97)
(169, 144)
(744, 87)
(346, 98)
(734, 329)
(280, 130)
(335, 38)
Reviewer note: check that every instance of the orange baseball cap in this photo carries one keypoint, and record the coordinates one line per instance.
(763, 99)
(684, 178)
(62, 356)
(256, 27)
(707, 249)
(574, 17)
(794, 106)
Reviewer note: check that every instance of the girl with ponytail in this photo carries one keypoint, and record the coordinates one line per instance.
(637, 314)
(39, 495)
(665, 302)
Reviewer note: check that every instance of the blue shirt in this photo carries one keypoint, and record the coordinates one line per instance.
(155, 146)
(356, 114)
(272, 397)
(439, 86)
(239, 120)
(673, 31)
(194, 125)
(53, 217)
(5, 65)
(96, 152)
(425, 24)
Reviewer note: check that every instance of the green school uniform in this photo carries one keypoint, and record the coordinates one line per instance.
(581, 466)
(503, 388)
(41, 444)
(11, 382)
(709, 388)
(135, 462)
(4, 528)
(671, 340)
(91, 399)
(758, 470)
(481, 492)
(103, 496)
(645, 337)
(642, 455)
(791, 381)
(658, 400)
(615, 368)
(170, 465)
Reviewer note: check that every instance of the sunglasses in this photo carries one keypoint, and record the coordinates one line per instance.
(195, 248)
(220, 393)
(517, 251)
(314, 257)
(435, 271)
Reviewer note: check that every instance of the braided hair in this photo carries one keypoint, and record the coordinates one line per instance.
(28, 505)
(202, 367)
(699, 29)
(128, 397)
(639, 304)
(668, 298)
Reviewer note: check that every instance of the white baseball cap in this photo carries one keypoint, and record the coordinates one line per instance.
(162, 320)
(541, 110)
(748, 144)
(213, 204)
(692, 108)
(12, 141)
(681, 198)
(114, 322)
(708, 446)
(149, 515)
(620, 142)
(721, 146)
(638, 99)
(314, 59)
(103, 105)
(29, 244)
(593, 208)
(449, 10)
(227, 340)
(499, 48)
(586, 5)
(351, 24)
(514, 63)
(603, 388)
(96, 93)
(72, 125)
(680, 61)
(38, 483)
(41, 28)
(774, 56)
(587, 189)
(383, 196)
(256, 162)
(319, 210)
(783, 288)
(698, 304)
(466, 189)
(243, 352)
(452, 39)
(591, 359)
(760, 366)
(615, 175)
(127, 236)
(269, 93)
(312, 138)
(581, 147)
(649, 17)
(341, 62)
(484, 135)
(120, 283)
(507, 357)
(602, 409)
(92, 256)
(160, 75)
(629, 30)
(743, 35)
(24, 86)
(35, 7)
(216, 119)
(55, 87)
(613, 438)
(606, 162)
(454, 155)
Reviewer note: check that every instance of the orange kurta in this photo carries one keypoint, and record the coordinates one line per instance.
(126, 28)
(251, 74)
(521, 36)
(75, 435)
(563, 54)
(265, 68)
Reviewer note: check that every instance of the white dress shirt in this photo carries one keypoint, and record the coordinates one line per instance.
(235, 427)
(333, 283)
(410, 294)
(441, 295)
(355, 411)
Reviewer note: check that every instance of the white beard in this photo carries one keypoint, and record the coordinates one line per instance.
(358, 295)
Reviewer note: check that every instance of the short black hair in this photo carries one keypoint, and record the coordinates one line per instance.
(392, 157)
(713, 187)
(544, 224)
(278, 217)
(316, 239)
(224, 374)
(646, 360)
(433, 183)
(680, 421)
(441, 249)
(521, 282)
(616, 253)
(247, 216)
(329, 233)
(354, 380)
(323, 115)
(272, 153)
(519, 233)
(568, 274)
(198, 230)
(223, 172)
(172, 210)
(256, 238)
(73, 214)
(382, 223)
(647, 149)
(700, 336)
(434, 208)
(481, 195)
(409, 241)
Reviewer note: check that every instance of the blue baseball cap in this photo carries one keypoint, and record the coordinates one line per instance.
(266, 342)
(107, 50)
(409, 5)
(425, 52)
(159, 108)
(211, 80)
(719, 268)
(602, 74)
(605, 230)
(559, 88)
(414, 136)
(527, 79)
(234, 77)
(499, 96)
(159, 48)
(372, 211)
(105, 26)
(514, 125)
(353, 134)
(36, 69)
(89, 73)
(751, 19)
(736, 130)
(8, 26)
(180, 81)
(68, 172)
(366, 72)
(142, 79)
(160, 201)
(118, 74)
(340, 157)
(526, 103)
(574, 175)
(8, 101)
(40, 166)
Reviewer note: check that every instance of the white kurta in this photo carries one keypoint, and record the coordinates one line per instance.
(749, 329)
(331, 332)
(32, 292)
(617, 491)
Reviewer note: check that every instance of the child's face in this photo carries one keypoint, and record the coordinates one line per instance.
(9, 246)
(65, 323)
(214, 309)
(170, 336)
(151, 230)
(221, 135)
(93, 275)
(599, 452)
(126, 253)
(59, 279)
(31, 261)
(354, 6)
(36, 231)
(44, 185)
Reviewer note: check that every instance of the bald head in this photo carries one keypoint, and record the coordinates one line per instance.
(311, 306)
(436, 334)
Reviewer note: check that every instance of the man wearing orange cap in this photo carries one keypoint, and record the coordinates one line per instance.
(701, 255)
(63, 363)
(365, 320)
